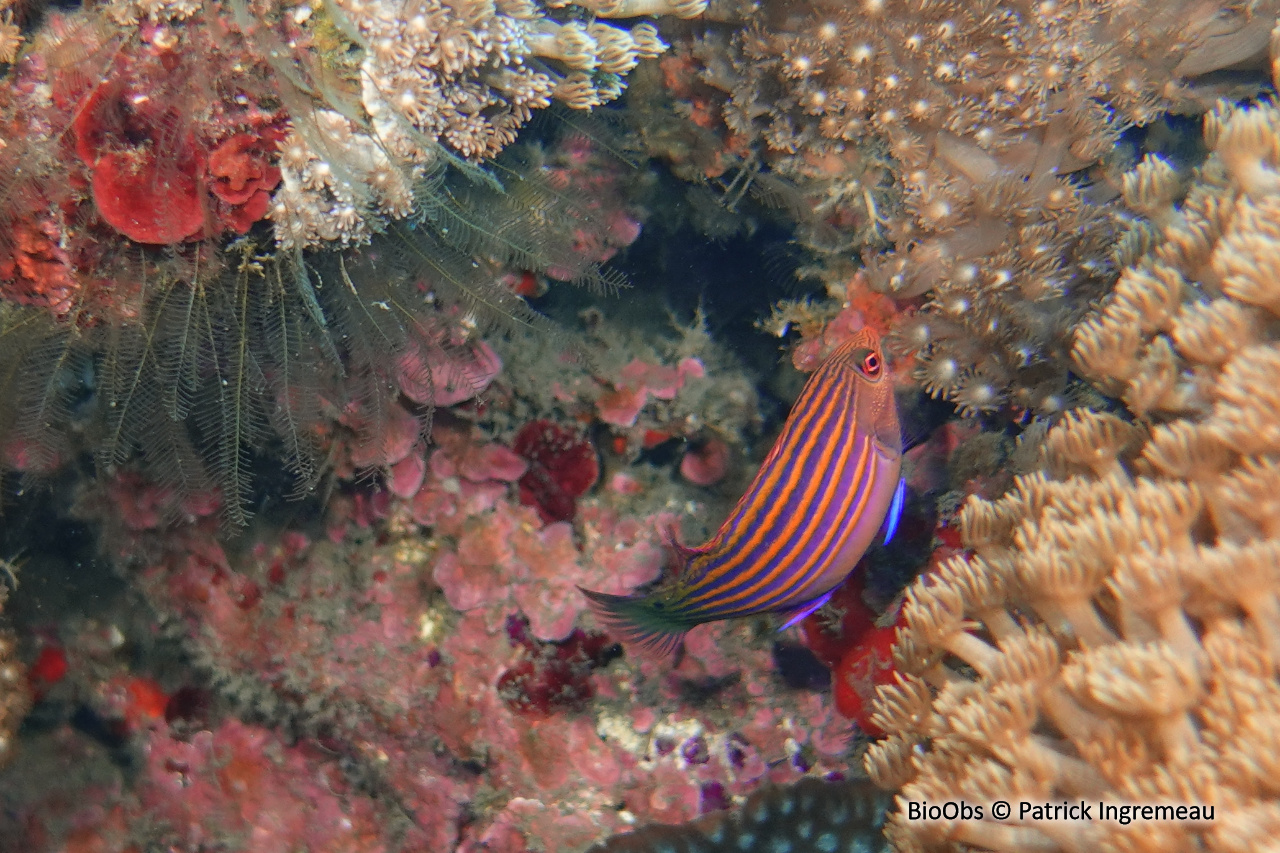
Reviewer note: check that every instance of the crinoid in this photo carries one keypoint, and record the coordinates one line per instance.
(163, 306)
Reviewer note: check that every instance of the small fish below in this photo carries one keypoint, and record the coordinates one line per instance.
(831, 481)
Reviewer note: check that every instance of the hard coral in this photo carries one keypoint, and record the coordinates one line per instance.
(1113, 636)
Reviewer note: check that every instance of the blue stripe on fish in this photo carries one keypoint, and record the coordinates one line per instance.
(894, 515)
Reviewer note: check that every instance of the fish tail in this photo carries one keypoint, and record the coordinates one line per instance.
(639, 621)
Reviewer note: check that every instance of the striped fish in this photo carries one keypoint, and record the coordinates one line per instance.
(824, 490)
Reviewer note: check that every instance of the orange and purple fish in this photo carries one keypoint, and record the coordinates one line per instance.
(831, 481)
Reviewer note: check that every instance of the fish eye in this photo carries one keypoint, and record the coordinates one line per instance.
(871, 364)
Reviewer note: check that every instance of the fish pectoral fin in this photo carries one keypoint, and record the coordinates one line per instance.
(798, 613)
(894, 515)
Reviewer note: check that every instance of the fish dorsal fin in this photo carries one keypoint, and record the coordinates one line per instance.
(684, 552)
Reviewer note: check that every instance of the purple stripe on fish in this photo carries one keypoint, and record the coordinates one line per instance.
(778, 573)
(817, 502)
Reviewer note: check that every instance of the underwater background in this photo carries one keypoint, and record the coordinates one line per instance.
(345, 343)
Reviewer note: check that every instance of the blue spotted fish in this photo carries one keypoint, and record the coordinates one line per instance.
(830, 482)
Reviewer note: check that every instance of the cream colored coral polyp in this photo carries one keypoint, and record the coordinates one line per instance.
(1142, 564)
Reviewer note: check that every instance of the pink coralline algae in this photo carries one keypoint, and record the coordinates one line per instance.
(364, 440)
(461, 476)
(705, 462)
(437, 374)
(438, 367)
(238, 787)
(428, 631)
(452, 657)
(139, 505)
(637, 382)
(577, 165)
(507, 560)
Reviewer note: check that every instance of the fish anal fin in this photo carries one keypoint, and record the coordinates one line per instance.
(798, 613)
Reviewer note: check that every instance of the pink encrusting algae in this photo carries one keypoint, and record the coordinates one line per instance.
(432, 637)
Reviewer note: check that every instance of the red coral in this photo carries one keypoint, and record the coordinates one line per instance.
(152, 182)
(562, 467)
(640, 380)
(868, 666)
(38, 272)
(242, 176)
(145, 185)
(552, 677)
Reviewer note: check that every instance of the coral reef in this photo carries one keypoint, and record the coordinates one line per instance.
(367, 103)
(975, 140)
(238, 787)
(163, 165)
(1113, 633)
(684, 388)
(249, 246)
(472, 721)
(420, 645)
(194, 361)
